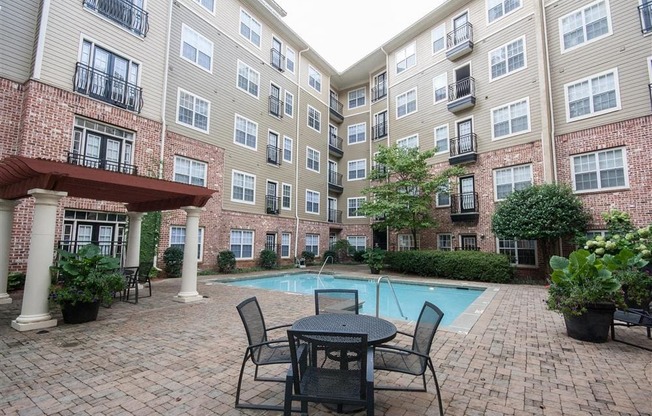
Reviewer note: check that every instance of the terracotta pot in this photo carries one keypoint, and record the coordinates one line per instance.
(80, 312)
(593, 325)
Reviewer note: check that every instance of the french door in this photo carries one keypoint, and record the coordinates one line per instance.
(467, 194)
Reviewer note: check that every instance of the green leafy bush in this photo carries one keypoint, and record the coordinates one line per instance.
(457, 265)
(173, 259)
(268, 259)
(332, 254)
(639, 241)
(358, 255)
(226, 261)
(309, 256)
(16, 281)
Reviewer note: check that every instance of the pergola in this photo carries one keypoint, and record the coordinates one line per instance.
(48, 181)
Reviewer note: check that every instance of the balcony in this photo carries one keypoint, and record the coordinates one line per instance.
(463, 149)
(105, 87)
(461, 95)
(335, 182)
(464, 207)
(336, 110)
(378, 131)
(335, 146)
(277, 59)
(272, 204)
(274, 155)
(275, 106)
(379, 91)
(122, 12)
(335, 216)
(101, 163)
(645, 14)
(459, 42)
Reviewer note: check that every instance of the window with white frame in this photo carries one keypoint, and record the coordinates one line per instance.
(444, 242)
(246, 132)
(312, 159)
(193, 111)
(95, 141)
(520, 252)
(357, 133)
(242, 244)
(406, 58)
(353, 205)
(286, 197)
(497, 9)
(443, 196)
(601, 170)
(287, 149)
(314, 119)
(408, 142)
(312, 244)
(590, 235)
(582, 26)
(243, 187)
(207, 4)
(189, 171)
(178, 239)
(405, 242)
(507, 59)
(357, 98)
(196, 48)
(285, 245)
(312, 201)
(290, 59)
(511, 119)
(314, 78)
(357, 242)
(441, 139)
(511, 179)
(250, 28)
(406, 103)
(595, 95)
(440, 88)
(248, 79)
(438, 37)
(289, 104)
(357, 169)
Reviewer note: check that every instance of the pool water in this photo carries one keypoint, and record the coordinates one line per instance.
(451, 300)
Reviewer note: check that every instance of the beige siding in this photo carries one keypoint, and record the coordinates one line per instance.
(18, 23)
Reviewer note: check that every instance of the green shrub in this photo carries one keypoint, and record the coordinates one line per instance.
(332, 254)
(226, 261)
(358, 255)
(457, 265)
(309, 256)
(268, 259)
(173, 259)
(16, 281)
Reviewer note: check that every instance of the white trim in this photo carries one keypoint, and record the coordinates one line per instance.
(242, 201)
(249, 70)
(192, 126)
(600, 188)
(451, 239)
(283, 184)
(289, 244)
(206, 8)
(294, 61)
(448, 138)
(321, 78)
(511, 133)
(416, 103)
(407, 139)
(235, 130)
(536, 252)
(404, 50)
(486, 14)
(348, 133)
(305, 207)
(432, 39)
(285, 97)
(586, 42)
(348, 170)
(318, 242)
(251, 16)
(437, 204)
(185, 27)
(291, 149)
(191, 160)
(318, 154)
(649, 67)
(253, 242)
(434, 89)
(508, 72)
(200, 235)
(364, 95)
(592, 113)
(357, 198)
(511, 169)
(317, 113)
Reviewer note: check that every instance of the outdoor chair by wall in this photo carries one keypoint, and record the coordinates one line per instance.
(131, 283)
(414, 360)
(308, 382)
(144, 271)
(336, 301)
(261, 350)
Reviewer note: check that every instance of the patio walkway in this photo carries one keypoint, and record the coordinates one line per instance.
(168, 358)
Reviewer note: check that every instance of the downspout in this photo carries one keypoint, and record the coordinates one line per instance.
(387, 234)
(550, 103)
(296, 165)
(40, 44)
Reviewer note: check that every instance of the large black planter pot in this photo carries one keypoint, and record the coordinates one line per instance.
(80, 312)
(593, 325)
(374, 270)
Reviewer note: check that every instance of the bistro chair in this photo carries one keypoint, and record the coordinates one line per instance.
(416, 359)
(307, 382)
(261, 350)
(336, 301)
(144, 270)
(131, 283)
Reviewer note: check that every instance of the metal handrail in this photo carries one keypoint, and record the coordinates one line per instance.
(389, 282)
(322, 268)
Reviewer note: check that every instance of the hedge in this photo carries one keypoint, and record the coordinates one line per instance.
(457, 265)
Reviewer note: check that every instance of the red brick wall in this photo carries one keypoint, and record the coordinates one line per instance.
(11, 103)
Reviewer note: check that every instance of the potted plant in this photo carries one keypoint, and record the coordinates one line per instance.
(84, 280)
(375, 259)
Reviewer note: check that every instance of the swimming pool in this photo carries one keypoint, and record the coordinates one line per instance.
(452, 300)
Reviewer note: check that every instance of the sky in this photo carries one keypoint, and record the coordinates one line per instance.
(345, 31)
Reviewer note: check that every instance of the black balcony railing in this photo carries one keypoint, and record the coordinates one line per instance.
(334, 178)
(336, 107)
(275, 106)
(466, 143)
(276, 59)
(379, 130)
(107, 248)
(464, 203)
(101, 163)
(462, 88)
(460, 35)
(122, 12)
(272, 204)
(274, 154)
(335, 216)
(645, 14)
(105, 87)
(379, 91)
(335, 142)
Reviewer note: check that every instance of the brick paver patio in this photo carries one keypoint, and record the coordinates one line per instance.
(163, 357)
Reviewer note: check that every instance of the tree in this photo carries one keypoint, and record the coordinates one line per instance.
(541, 212)
(402, 189)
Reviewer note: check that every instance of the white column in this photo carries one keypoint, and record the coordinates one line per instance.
(133, 239)
(189, 271)
(6, 221)
(35, 313)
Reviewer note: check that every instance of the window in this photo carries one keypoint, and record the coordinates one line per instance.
(507, 59)
(354, 205)
(312, 243)
(189, 171)
(178, 239)
(312, 159)
(285, 245)
(312, 202)
(443, 196)
(248, 79)
(511, 119)
(100, 145)
(196, 48)
(586, 25)
(357, 242)
(520, 252)
(357, 133)
(314, 119)
(440, 88)
(289, 59)
(405, 242)
(592, 96)
(406, 58)
(357, 98)
(590, 235)
(379, 90)
(243, 186)
(242, 244)
(289, 104)
(438, 37)
(357, 169)
(406, 103)
(207, 4)
(286, 198)
(599, 170)
(193, 111)
(441, 139)
(444, 242)
(645, 16)
(408, 142)
(511, 179)
(250, 28)
(287, 149)
(246, 132)
(314, 78)
(500, 8)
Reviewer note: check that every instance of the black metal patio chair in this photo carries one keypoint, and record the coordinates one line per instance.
(131, 283)
(144, 270)
(633, 317)
(336, 301)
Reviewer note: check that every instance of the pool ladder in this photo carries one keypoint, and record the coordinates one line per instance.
(322, 268)
(389, 283)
